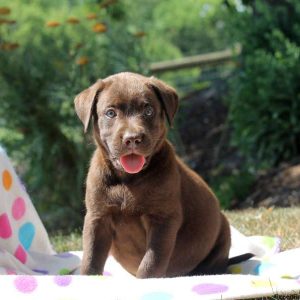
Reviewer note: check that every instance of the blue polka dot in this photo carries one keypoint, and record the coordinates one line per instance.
(157, 296)
(262, 267)
(26, 235)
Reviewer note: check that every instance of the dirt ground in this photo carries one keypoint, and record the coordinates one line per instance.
(204, 140)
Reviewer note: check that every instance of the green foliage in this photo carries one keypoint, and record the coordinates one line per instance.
(232, 188)
(265, 95)
(192, 26)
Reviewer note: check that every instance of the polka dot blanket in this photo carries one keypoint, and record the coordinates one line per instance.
(30, 268)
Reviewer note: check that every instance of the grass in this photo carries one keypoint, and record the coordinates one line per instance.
(279, 222)
(63, 243)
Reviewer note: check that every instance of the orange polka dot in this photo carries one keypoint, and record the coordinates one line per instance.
(6, 179)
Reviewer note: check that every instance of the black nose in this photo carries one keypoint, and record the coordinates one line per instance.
(132, 140)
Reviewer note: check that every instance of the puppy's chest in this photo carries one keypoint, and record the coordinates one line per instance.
(123, 198)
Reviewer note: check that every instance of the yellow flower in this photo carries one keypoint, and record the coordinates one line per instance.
(9, 46)
(4, 10)
(52, 24)
(91, 16)
(140, 34)
(73, 20)
(99, 28)
(83, 60)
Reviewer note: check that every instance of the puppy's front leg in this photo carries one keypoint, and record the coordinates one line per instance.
(97, 240)
(161, 238)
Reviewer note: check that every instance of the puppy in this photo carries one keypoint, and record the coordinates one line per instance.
(148, 209)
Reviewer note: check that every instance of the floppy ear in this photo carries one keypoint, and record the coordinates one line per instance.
(85, 102)
(167, 96)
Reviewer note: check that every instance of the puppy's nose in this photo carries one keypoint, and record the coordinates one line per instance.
(132, 140)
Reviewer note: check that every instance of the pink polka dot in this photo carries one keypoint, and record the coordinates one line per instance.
(20, 254)
(62, 280)
(5, 228)
(106, 273)
(26, 284)
(209, 288)
(18, 208)
(10, 271)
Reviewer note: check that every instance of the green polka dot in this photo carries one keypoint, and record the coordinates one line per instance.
(268, 241)
(64, 271)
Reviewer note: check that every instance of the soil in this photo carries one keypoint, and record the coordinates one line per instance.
(205, 134)
(276, 187)
(204, 143)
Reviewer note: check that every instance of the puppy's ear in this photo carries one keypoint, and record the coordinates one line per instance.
(85, 102)
(167, 97)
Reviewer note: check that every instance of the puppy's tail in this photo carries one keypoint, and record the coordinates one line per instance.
(240, 258)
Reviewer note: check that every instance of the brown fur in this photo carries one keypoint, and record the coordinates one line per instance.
(162, 221)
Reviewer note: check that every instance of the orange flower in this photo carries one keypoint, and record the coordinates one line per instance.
(99, 28)
(83, 60)
(4, 10)
(9, 46)
(14, 46)
(79, 45)
(91, 16)
(107, 3)
(52, 24)
(73, 20)
(3, 21)
(6, 21)
(11, 22)
(140, 34)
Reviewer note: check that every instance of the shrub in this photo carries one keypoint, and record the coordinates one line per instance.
(265, 95)
(233, 188)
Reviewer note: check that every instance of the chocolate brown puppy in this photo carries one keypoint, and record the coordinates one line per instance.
(147, 208)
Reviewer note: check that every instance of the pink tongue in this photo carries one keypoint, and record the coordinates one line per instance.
(132, 163)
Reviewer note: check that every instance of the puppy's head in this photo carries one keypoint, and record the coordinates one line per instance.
(129, 112)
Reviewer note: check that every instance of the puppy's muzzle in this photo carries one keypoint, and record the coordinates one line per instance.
(132, 141)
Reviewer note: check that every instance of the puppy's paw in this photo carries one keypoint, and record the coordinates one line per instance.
(89, 270)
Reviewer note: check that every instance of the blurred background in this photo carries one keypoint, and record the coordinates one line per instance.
(235, 64)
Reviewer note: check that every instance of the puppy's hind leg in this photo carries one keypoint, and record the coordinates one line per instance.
(217, 260)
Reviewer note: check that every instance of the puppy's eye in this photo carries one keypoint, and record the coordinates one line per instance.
(110, 113)
(149, 111)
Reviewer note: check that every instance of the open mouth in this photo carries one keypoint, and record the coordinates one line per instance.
(132, 163)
